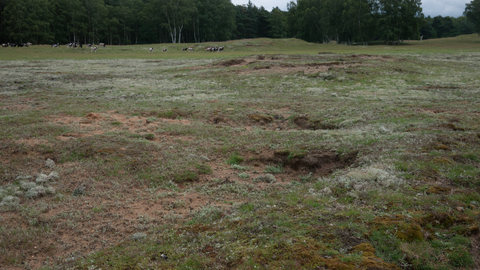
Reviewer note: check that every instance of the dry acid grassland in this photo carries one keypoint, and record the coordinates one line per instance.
(276, 154)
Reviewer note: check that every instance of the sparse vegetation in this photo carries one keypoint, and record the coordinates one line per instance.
(221, 163)
(235, 159)
(274, 168)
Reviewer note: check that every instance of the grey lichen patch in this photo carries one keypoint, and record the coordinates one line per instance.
(10, 194)
(267, 178)
(36, 191)
(50, 163)
(138, 236)
(43, 178)
(10, 201)
(374, 177)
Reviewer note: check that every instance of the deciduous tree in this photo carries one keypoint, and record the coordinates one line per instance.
(472, 11)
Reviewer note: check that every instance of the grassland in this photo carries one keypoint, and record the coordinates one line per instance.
(275, 154)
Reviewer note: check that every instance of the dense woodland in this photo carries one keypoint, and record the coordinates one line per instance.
(123, 22)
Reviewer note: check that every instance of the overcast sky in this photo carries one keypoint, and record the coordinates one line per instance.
(433, 8)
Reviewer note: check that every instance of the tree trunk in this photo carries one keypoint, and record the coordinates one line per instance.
(180, 34)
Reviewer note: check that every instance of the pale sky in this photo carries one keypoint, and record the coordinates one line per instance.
(453, 8)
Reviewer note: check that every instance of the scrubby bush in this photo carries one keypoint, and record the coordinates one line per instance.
(267, 178)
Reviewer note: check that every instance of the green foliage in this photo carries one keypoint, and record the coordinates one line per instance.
(361, 20)
(278, 23)
(306, 178)
(204, 169)
(238, 167)
(472, 11)
(352, 21)
(194, 21)
(400, 19)
(186, 176)
(355, 257)
(441, 27)
(28, 21)
(167, 114)
(274, 168)
(471, 157)
(461, 258)
(235, 158)
(387, 245)
(244, 175)
(150, 136)
(247, 207)
(191, 264)
(219, 13)
(207, 214)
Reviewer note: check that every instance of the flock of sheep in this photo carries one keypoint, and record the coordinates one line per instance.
(209, 49)
(94, 48)
(16, 45)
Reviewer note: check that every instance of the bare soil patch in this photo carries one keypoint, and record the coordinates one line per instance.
(269, 64)
(318, 162)
(233, 62)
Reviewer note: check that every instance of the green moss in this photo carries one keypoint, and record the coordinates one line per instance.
(409, 232)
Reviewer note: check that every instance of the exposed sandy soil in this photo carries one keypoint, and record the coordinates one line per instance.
(273, 64)
(110, 213)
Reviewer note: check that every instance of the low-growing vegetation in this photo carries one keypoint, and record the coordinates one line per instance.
(333, 157)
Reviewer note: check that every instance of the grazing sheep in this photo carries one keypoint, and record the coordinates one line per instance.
(55, 45)
(220, 49)
(29, 44)
(101, 44)
(164, 50)
(150, 50)
(184, 49)
(94, 49)
(190, 49)
(5, 45)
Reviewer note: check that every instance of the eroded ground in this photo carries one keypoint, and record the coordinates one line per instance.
(328, 161)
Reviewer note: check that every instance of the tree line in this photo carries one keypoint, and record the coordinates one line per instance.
(124, 22)
(442, 27)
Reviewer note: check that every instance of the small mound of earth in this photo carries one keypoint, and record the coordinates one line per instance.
(261, 118)
(222, 120)
(318, 162)
(93, 116)
(307, 123)
(232, 62)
